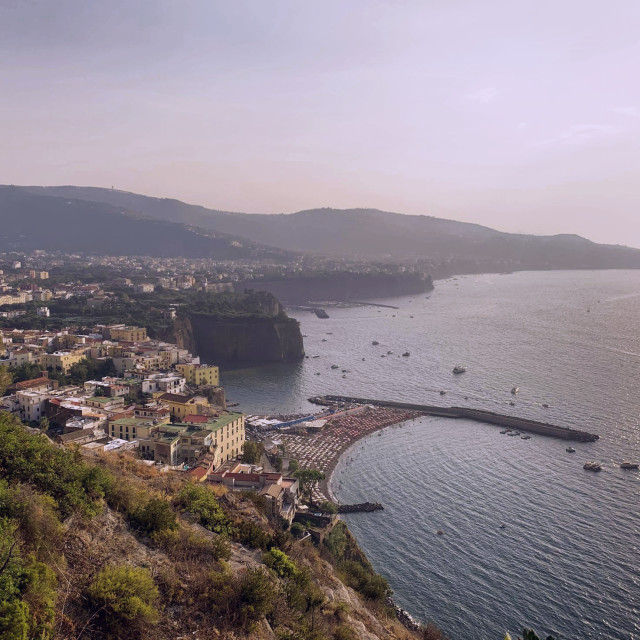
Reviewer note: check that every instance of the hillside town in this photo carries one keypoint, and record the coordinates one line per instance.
(156, 402)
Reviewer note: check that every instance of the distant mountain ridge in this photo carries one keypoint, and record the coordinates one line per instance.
(34, 219)
(373, 234)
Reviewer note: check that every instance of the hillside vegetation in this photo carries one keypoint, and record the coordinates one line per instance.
(110, 548)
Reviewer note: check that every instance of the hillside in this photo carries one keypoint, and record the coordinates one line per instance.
(373, 234)
(107, 547)
(31, 221)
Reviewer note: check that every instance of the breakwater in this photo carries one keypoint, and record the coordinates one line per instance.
(363, 507)
(511, 422)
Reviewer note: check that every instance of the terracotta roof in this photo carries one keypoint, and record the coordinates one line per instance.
(29, 384)
(196, 418)
(175, 397)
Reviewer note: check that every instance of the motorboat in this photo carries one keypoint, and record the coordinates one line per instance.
(592, 466)
(515, 390)
(375, 343)
(335, 366)
(570, 450)
(442, 392)
(406, 354)
(525, 437)
(545, 405)
(459, 368)
(629, 465)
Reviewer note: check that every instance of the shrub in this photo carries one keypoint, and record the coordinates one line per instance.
(156, 516)
(329, 507)
(280, 563)
(344, 632)
(198, 500)
(125, 595)
(297, 529)
(13, 620)
(257, 595)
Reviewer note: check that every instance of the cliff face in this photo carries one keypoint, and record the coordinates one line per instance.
(230, 340)
(342, 287)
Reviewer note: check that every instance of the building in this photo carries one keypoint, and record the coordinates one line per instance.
(181, 405)
(200, 374)
(62, 360)
(128, 334)
(31, 405)
(115, 403)
(228, 430)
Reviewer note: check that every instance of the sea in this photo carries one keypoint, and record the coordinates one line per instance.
(530, 539)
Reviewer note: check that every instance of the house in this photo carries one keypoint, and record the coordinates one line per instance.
(200, 374)
(62, 360)
(43, 383)
(180, 405)
(128, 334)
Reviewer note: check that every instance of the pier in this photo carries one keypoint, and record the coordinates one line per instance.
(510, 422)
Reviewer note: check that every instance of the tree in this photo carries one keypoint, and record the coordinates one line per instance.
(44, 423)
(329, 507)
(252, 452)
(308, 478)
(6, 378)
(293, 466)
(277, 464)
(126, 596)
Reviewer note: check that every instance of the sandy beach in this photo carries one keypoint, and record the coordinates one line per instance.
(323, 450)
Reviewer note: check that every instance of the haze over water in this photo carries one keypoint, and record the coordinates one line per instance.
(567, 561)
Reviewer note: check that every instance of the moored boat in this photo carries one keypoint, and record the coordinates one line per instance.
(629, 465)
(459, 368)
(592, 466)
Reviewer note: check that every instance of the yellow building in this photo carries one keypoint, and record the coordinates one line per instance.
(129, 334)
(62, 360)
(181, 405)
(200, 374)
(228, 432)
(40, 275)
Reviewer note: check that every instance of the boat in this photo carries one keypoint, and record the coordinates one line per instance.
(629, 465)
(389, 353)
(440, 532)
(503, 526)
(459, 369)
(512, 403)
(324, 339)
(505, 431)
(321, 313)
(525, 437)
(406, 354)
(442, 392)
(315, 356)
(545, 405)
(570, 450)
(592, 466)
(375, 343)
(335, 366)
(515, 390)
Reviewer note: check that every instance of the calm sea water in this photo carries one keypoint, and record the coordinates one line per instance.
(568, 561)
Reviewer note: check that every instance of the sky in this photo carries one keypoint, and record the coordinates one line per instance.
(521, 115)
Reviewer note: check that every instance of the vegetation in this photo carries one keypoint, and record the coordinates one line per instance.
(252, 452)
(125, 597)
(308, 478)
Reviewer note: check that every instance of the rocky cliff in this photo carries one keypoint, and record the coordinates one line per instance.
(342, 287)
(248, 339)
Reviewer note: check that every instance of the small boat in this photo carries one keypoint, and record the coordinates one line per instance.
(512, 403)
(335, 366)
(570, 450)
(525, 437)
(442, 392)
(459, 369)
(515, 390)
(389, 353)
(315, 356)
(324, 339)
(592, 466)
(629, 465)
(503, 526)
(329, 333)
(343, 375)
(362, 359)
(504, 431)
(406, 354)
(411, 316)
(440, 532)
(375, 343)
(545, 405)
(317, 373)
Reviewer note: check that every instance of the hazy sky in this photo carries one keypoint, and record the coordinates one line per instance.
(520, 114)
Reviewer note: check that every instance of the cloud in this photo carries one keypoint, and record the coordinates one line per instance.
(483, 96)
(580, 134)
(633, 112)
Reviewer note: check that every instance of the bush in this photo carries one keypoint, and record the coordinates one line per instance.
(257, 595)
(156, 516)
(185, 545)
(252, 535)
(125, 595)
(200, 501)
(280, 563)
(297, 529)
